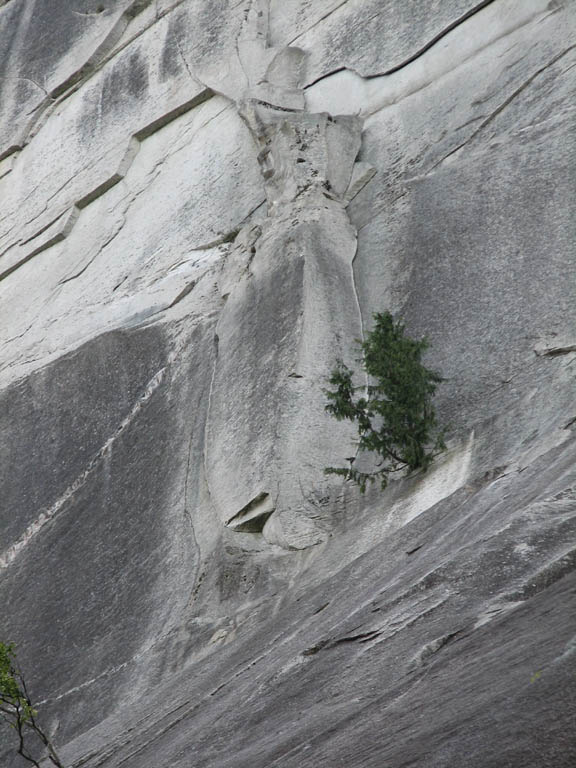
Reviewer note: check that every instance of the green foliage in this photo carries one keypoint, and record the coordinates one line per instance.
(13, 700)
(16, 707)
(395, 417)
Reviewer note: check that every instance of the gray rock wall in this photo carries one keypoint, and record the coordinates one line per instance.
(201, 206)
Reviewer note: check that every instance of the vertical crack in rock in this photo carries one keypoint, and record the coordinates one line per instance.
(291, 306)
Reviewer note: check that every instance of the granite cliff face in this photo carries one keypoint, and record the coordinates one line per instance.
(201, 206)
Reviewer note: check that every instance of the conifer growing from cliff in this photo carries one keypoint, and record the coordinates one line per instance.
(395, 417)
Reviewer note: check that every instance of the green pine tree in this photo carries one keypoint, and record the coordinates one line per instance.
(395, 417)
(17, 710)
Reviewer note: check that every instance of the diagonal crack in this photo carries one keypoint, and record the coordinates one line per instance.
(109, 47)
(426, 47)
(319, 21)
(96, 254)
(48, 515)
(493, 115)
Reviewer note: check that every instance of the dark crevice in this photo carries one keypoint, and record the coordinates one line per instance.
(314, 648)
(183, 293)
(363, 637)
(278, 108)
(253, 516)
(557, 351)
(419, 52)
(11, 150)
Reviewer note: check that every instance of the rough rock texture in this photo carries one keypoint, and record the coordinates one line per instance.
(291, 305)
(201, 206)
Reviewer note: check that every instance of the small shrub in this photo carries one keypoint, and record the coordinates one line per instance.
(16, 707)
(395, 417)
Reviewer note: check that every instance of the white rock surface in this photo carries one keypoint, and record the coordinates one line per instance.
(202, 204)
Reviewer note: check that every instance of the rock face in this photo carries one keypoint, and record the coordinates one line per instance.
(202, 205)
(291, 305)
